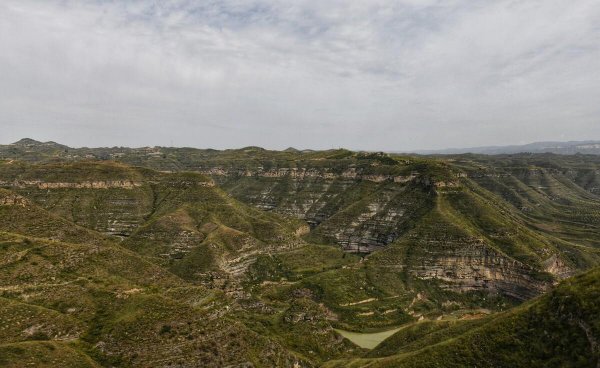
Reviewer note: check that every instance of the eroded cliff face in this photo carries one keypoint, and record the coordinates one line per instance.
(116, 203)
(356, 208)
(361, 209)
(474, 266)
(112, 209)
(100, 184)
(376, 220)
(363, 212)
(465, 264)
(307, 173)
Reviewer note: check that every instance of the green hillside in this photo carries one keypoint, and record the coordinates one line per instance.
(89, 299)
(257, 258)
(559, 329)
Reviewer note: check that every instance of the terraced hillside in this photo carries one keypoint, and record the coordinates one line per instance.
(369, 195)
(254, 258)
(71, 296)
(177, 220)
(365, 201)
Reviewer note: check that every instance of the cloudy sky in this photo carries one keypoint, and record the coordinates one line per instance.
(372, 74)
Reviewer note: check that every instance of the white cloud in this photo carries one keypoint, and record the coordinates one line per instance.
(367, 75)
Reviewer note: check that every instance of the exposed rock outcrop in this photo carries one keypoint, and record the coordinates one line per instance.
(307, 173)
(475, 266)
(102, 184)
(12, 200)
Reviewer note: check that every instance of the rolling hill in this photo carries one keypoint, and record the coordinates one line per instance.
(184, 257)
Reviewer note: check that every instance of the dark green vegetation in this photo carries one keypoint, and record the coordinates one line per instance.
(181, 257)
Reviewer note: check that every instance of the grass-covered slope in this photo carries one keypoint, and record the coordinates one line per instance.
(101, 303)
(197, 229)
(109, 197)
(43, 354)
(557, 195)
(89, 296)
(180, 220)
(21, 215)
(559, 329)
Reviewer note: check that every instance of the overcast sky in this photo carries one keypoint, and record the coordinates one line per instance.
(372, 74)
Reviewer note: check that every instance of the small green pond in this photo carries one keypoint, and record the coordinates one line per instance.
(367, 340)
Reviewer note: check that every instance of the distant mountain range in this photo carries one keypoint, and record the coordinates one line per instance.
(561, 148)
(591, 147)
